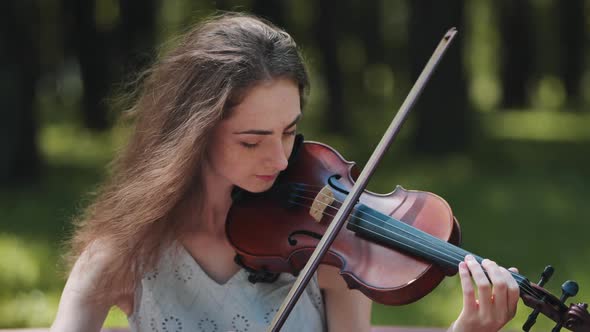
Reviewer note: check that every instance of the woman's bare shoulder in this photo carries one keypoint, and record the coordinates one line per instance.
(93, 262)
(78, 310)
(90, 265)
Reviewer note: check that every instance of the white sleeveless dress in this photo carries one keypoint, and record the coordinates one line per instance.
(178, 296)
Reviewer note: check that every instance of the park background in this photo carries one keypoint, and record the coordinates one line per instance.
(501, 132)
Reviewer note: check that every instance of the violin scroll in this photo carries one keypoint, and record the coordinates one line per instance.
(575, 318)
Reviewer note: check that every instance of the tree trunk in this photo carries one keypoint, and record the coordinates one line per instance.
(573, 41)
(516, 51)
(272, 10)
(137, 34)
(444, 122)
(19, 71)
(89, 45)
(326, 32)
(370, 28)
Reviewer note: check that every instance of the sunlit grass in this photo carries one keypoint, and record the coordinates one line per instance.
(116, 318)
(34, 308)
(19, 267)
(64, 143)
(538, 126)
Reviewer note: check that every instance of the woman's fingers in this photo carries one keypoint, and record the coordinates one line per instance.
(469, 303)
(513, 291)
(484, 288)
(498, 294)
(513, 269)
(500, 286)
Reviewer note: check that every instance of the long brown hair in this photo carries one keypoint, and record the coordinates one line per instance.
(183, 96)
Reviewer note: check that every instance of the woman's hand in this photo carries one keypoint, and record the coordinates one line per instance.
(497, 300)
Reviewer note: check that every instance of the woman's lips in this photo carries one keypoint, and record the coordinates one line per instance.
(266, 177)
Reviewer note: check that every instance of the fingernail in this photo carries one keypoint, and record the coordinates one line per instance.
(487, 261)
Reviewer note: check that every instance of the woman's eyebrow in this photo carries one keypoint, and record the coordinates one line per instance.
(267, 132)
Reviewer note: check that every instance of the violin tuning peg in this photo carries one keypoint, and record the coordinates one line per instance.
(546, 275)
(532, 319)
(569, 288)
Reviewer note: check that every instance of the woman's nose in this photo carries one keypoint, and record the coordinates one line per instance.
(278, 158)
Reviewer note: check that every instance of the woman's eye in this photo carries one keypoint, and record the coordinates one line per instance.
(249, 145)
(290, 133)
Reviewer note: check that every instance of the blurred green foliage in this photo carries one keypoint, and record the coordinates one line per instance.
(520, 192)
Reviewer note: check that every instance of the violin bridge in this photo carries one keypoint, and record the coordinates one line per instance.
(322, 200)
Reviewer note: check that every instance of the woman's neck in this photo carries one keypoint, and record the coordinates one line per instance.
(212, 203)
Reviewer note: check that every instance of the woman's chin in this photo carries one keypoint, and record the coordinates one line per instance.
(257, 188)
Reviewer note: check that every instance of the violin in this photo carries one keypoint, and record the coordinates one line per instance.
(396, 248)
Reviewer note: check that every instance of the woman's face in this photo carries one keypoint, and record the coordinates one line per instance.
(251, 147)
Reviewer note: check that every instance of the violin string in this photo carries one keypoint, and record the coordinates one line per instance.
(428, 239)
(455, 255)
(451, 255)
(524, 286)
(523, 282)
(420, 235)
(425, 237)
(517, 276)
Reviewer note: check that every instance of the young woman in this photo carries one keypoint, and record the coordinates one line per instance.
(218, 111)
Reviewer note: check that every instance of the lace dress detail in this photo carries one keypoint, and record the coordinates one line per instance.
(179, 296)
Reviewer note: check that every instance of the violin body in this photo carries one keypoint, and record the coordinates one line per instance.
(275, 232)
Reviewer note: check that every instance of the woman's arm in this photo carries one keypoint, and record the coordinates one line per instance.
(76, 311)
(346, 309)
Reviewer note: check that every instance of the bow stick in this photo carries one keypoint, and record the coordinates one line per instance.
(359, 186)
